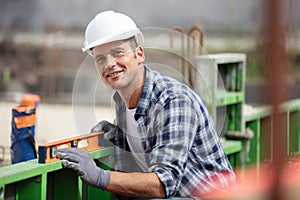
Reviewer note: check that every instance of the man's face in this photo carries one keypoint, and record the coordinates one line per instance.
(117, 63)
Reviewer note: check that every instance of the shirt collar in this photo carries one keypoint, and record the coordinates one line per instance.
(144, 101)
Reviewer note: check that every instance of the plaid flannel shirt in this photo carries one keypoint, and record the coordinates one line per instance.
(179, 139)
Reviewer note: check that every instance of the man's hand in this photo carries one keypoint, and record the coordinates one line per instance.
(84, 165)
(108, 129)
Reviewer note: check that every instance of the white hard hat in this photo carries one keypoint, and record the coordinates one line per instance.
(109, 26)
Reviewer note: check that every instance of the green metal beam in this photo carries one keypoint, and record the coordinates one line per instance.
(33, 180)
(227, 98)
(232, 146)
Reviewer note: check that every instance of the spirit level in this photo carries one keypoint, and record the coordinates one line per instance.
(88, 142)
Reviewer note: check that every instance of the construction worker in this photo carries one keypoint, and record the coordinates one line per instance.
(165, 143)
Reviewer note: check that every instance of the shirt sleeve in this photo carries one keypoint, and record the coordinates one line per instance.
(175, 126)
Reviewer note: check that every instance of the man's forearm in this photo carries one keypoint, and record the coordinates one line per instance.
(141, 185)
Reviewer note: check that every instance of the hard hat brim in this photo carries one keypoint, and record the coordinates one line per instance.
(113, 38)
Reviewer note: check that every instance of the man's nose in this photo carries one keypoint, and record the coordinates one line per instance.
(110, 61)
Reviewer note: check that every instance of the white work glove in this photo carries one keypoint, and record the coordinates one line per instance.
(109, 129)
(84, 165)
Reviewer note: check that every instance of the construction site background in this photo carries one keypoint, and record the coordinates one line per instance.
(40, 45)
(40, 52)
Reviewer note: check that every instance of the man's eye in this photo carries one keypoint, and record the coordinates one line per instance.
(118, 54)
(100, 60)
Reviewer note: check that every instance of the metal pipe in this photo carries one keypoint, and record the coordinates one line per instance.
(191, 35)
(276, 62)
(200, 34)
(179, 29)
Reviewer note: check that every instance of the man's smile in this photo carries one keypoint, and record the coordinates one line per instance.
(113, 74)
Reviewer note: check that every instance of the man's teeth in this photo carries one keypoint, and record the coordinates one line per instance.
(114, 74)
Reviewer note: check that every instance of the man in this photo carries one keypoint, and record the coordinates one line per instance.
(165, 143)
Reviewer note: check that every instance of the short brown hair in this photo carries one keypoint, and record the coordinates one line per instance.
(132, 41)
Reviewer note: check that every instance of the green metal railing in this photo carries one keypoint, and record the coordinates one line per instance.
(260, 122)
(32, 180)
(35, 181)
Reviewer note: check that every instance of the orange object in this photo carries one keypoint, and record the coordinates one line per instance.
(25, 121)
(88, 142)
(30, 100)
(28, 105)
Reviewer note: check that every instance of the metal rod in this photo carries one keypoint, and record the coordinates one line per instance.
(191, 37)
(179, 29)
(276, 62)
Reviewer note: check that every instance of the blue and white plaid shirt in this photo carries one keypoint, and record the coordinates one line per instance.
(179, 139)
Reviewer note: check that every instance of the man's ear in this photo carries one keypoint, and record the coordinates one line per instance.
(140, 55)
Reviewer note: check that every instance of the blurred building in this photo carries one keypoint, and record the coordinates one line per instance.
(48, 64)
(215, 15)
